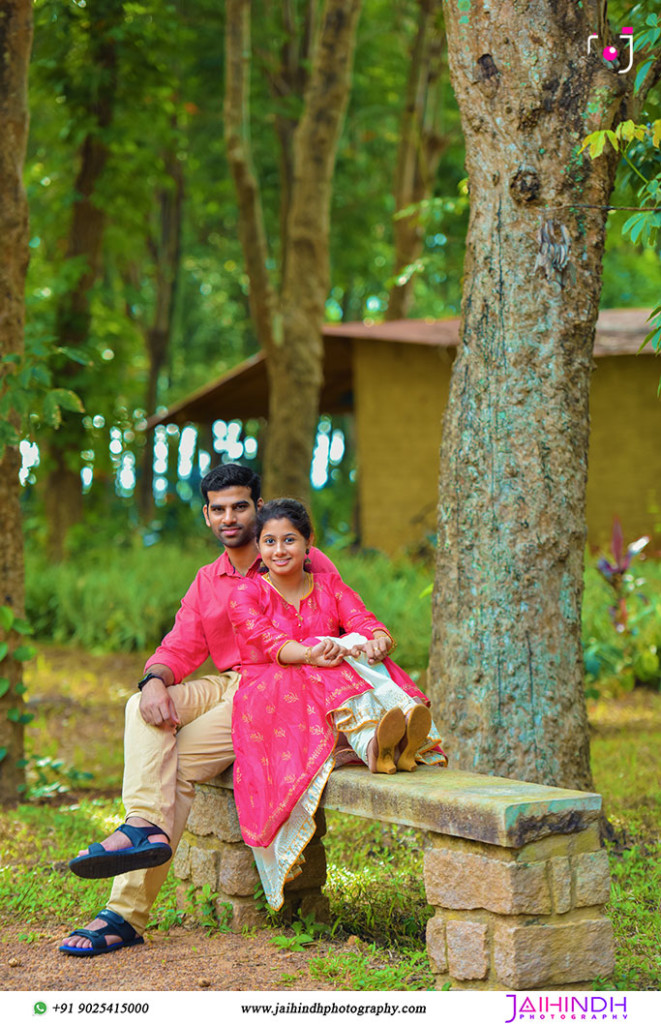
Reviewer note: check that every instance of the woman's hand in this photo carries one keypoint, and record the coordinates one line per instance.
(375, 650)
(326, 654)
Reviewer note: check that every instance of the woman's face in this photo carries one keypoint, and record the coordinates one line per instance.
(283, 548)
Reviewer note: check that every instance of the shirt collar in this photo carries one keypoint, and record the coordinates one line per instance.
(224, 566)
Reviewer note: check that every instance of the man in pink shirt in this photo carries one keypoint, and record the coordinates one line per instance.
(177, 733)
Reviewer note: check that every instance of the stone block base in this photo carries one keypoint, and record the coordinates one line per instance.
(518, 918)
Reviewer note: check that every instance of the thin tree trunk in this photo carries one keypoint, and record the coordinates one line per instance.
(15, 46)
(289, 327)
(506, 662)
(65, 503)
(295, 366)
(252, 233)
(166, 254)
(420, 147)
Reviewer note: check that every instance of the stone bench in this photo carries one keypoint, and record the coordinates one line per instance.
(513, 870)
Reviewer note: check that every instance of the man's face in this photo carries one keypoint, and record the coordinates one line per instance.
(230, 515)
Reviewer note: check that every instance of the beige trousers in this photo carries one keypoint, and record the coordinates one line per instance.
(160, 770)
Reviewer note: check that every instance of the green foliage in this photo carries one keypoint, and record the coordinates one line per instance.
(49, 777)
(619, 655)
(203, 904)
(305, 930)
(124, 602)
(375, 882)
(644, 224)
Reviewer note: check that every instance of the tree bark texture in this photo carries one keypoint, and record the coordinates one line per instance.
(84, 244)
(506, 671)
(421, 145)
(289, 324)
(15, 46)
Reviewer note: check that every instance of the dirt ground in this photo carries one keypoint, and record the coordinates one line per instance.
(182, 960)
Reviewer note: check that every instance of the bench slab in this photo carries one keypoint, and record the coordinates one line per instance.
(485, 808)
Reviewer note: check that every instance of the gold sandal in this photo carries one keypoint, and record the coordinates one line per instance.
(418, 725)
(389, 733)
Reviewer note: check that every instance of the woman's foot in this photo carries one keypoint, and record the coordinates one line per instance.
(418, 725)
(383, 745)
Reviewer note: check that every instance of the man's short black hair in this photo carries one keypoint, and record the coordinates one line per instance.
(231, 475)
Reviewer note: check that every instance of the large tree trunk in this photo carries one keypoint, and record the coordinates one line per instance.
(65, 503)
(506, 667)
(15, 45)
(289, 326)
(420, 147)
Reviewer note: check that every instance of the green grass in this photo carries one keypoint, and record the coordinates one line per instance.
(626, 772)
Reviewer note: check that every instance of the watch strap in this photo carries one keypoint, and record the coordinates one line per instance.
(149, 675)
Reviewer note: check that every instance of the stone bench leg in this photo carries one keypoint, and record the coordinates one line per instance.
(213, 853)
(524, 918)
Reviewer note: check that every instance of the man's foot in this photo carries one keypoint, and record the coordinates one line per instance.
(120, 841)
(106, 933)
(130, 848)
(383, 745)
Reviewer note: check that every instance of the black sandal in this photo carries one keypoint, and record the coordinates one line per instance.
(101, 863)
(116, 926)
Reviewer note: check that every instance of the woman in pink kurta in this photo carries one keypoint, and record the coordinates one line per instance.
(298, 691)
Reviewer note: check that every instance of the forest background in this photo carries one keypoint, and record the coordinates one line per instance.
(138, 292)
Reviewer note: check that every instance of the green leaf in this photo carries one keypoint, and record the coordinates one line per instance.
(615, 142)
(52, 413)
(20, 689)
(24, 653)
(75, 355)
(22, 627)
(597, 147)
(641, 74)
(14, 715)
(67, 400)
(4, 649)
(26, 718)
(3, 753)
(6, 617)
(4, 686)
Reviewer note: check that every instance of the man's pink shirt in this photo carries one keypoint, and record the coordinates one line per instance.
(202, 626)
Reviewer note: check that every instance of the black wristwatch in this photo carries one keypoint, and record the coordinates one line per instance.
(150, 675)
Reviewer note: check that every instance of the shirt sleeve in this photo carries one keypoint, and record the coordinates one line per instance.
(248, 618)
(354, 616)
(185, 647)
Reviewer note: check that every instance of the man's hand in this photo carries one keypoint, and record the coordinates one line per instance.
(157, 707)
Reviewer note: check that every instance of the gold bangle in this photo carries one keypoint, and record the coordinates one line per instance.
(308, 655)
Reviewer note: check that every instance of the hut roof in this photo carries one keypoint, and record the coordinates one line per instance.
(242, 393)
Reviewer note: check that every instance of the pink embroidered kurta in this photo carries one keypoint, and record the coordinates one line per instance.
(282, 730)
